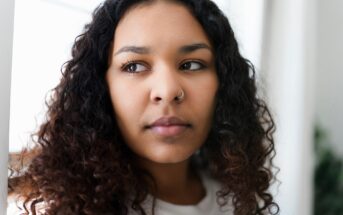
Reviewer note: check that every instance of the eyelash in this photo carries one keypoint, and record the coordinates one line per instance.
(201, 64)
(125, 66)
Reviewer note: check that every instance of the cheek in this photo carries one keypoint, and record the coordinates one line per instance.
(127, 101)
(202, 102)
(203, 94)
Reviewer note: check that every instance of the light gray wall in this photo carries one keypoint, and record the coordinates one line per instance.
(288, 63)
(6, 26)
(329, 88)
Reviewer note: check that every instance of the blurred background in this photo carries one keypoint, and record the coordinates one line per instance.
(295, 45)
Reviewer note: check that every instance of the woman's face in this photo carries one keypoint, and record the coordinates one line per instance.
(160, 52)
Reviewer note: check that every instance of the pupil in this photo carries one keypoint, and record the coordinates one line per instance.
(187, 66)
(133, 67)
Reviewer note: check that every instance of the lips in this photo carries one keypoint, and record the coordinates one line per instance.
(168, 126)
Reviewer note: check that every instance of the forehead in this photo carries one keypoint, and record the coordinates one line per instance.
(159, 23)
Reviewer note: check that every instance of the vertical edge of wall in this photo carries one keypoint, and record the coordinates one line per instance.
(287, 62)
(311, 55)
(6, 41)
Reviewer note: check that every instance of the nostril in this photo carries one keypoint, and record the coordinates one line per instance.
(157, 99)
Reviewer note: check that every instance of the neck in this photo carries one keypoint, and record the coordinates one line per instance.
(175, 182)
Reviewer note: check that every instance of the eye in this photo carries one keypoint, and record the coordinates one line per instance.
(133, 67)
(192, 66)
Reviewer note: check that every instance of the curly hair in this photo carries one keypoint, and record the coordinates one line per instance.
(82, 164)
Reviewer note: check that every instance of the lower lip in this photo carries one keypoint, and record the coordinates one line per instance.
(169, 131)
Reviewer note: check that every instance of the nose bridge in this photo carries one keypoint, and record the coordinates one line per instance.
(166, 83)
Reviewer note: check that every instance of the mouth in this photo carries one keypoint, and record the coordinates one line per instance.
(168, 126)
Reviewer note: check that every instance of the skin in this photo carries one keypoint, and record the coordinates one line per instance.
(144, 83)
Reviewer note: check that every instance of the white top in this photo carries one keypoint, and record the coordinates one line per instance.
(207, 206)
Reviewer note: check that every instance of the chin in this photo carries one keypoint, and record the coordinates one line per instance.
(170, 158)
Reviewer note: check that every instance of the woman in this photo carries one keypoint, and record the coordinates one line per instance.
(156, 113)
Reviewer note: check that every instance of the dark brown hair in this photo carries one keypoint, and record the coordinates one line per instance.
(83, 166)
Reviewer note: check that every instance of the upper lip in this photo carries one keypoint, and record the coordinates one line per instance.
(168, 121)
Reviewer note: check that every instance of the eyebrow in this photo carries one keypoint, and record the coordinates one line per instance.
(134, 49)
(193, 47)
(146, 50)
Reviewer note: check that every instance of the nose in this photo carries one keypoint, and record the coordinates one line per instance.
(166, 87)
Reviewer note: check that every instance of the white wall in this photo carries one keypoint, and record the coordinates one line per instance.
(6, 26)
(289, 62)
(246, 19)
(44, 32)
(329, 88)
